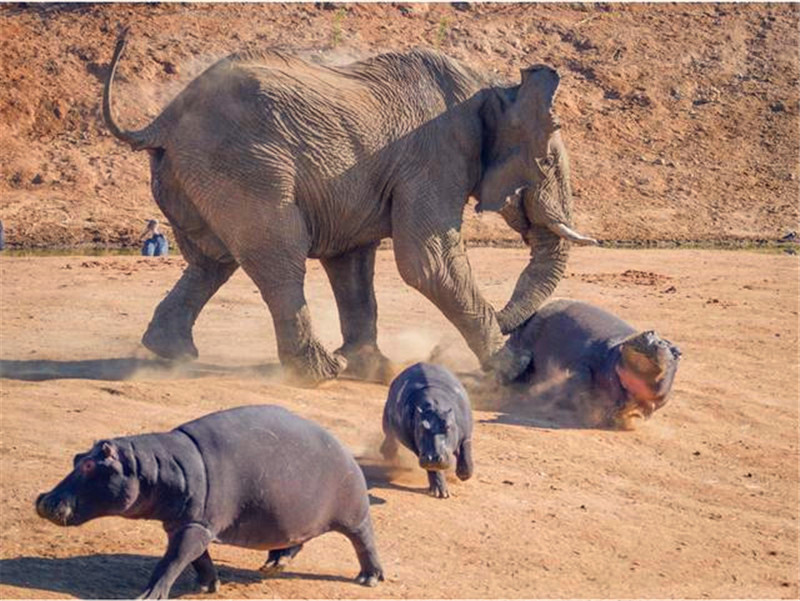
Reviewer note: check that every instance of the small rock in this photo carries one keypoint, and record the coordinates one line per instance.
(670, 290)
(777, 107)
(696, 453)
(37, 179)
(658, 161)
(509, 482)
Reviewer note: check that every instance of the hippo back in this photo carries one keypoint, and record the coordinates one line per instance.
(272, 474)
(564, 332)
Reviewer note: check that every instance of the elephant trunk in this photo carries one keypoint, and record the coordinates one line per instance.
(539, 278)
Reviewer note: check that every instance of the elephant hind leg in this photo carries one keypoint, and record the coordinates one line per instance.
(169, 333)
(273, 252)
(351, 277)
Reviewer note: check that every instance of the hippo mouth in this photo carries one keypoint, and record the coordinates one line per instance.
(60, 512)
(634, 413)
(433, 465)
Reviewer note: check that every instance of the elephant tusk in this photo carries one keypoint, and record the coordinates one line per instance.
(568, 233)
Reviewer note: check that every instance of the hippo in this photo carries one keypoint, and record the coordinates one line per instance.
(621, 375)
(258, 477)
(428, 411)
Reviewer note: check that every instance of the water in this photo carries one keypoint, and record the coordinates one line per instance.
(69, 252)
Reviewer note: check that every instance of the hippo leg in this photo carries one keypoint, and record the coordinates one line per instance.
(184, 547)
(389, 447)
(464, 465)
(363, 539)
(206, 573)
(437, 487)
(278, 559)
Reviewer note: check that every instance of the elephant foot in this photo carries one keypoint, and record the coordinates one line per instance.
(169, 342)
(315, 366)
(509, 364)
(368, 363)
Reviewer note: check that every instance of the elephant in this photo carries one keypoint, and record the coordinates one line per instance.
(265, 160)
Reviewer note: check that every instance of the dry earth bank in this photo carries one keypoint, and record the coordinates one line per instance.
(682, 120)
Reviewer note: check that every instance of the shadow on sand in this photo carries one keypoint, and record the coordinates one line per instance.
(550, 405)
(102, 576)
(121, 576)
(126, 368)
(379, 474)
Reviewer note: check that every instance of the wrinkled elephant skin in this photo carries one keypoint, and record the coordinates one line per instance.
(265, 160)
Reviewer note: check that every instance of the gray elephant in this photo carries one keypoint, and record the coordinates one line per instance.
(265, 160)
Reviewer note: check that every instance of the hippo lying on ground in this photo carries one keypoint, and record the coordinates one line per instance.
(257, 477)
(428, 411)
(617, 374)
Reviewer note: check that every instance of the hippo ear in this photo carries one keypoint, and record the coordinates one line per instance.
(76, 460)
(109, 451)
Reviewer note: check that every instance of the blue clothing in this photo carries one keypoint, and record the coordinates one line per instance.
(157, 246)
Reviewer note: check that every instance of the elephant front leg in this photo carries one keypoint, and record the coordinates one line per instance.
(438, 267)
(169, 333)
(351, 277)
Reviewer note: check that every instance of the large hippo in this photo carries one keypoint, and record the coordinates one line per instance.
(618, 374)
(258, 477)
(428, 411)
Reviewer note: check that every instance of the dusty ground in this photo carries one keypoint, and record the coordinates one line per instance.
(701, 501)
(682, 120)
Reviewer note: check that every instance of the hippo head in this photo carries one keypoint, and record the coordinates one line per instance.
(436, 436)
(96, 487)
(646, 369)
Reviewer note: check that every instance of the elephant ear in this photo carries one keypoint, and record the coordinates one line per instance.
(536, 95)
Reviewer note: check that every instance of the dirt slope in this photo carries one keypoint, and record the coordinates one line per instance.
(682, 120)
(701, 501)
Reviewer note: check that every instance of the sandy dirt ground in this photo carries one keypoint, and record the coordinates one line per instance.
(700, 501)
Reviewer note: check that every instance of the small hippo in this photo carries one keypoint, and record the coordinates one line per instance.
(428, 410)
(622, 374)
(258, 477)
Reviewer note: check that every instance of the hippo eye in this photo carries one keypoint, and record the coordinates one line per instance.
(87, 467)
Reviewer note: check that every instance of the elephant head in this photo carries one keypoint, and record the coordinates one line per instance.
(526, 179)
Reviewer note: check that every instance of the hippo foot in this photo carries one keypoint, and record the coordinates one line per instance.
(168, 343)
(438, 493)
(278, 559)
(509, 364)
(209, 587)
(370, 577)
(389, 448)
(368, 363)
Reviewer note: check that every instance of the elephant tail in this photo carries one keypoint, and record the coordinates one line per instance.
(142, 139)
